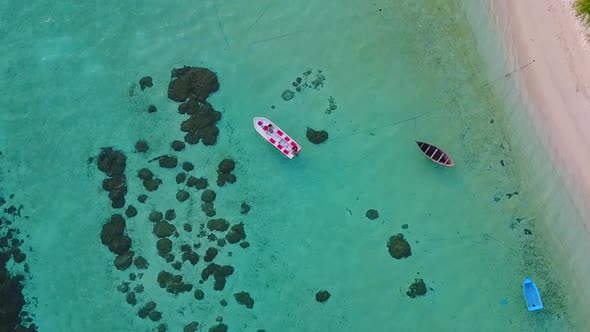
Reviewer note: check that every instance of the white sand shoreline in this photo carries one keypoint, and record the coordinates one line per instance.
(557, 96)
(557, 86)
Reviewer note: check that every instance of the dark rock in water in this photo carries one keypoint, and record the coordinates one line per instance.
(188, 228)
(219, 273)
(244, 244)
(199, 294)
(122, 262)
(218, 328)
(170, 215)
(152, 109)
(316, 136)
(192, 257)
(11, 299)
(141, 146)
(112, 236)
(191, 327)
(208, 196)
(142, 198)
(138, 289)
(191, 181)
(131, 299)
(187, 166)
(131, 211)
(322, 296)
(221, 242)
(155, 316)
(162, 328)
(244, 208)
(236, 234)
(156, 216)
(509, 195)
(192, 82)
(405, 226)
(164, 278)
(146, 309)
(117, 198)
(180, 178)
(198, 183)
(112, 184)
(173, 283)
(111, 162)
(112, 229)
(287, 95)
(244, 299)
(145, 82)
(527, 231)
(210, 254)
(164, 246)
(372, 214)
(140, 263)
(220, 225)
(182, 195)
(168, 161)
(417, 288)
(209, 209)
(118, 203)
(17, 255)
(123, 287)
(120, 244)
(201, 125)
(398, 247)
(163, 229)
(226, 166)
(177, 145)
(145, 174)
(192, 139)
(223, 178)
(152, 184)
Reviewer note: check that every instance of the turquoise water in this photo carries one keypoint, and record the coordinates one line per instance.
(70, 87)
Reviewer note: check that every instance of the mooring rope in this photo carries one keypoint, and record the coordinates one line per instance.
(454, 100)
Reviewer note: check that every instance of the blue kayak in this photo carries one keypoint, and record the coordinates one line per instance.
(531, 295)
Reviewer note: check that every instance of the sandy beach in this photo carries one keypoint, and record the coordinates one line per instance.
(557, 87)
(556, 93)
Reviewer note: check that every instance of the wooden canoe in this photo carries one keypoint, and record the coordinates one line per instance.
(435, 154)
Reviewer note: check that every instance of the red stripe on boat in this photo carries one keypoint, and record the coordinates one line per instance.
(286, 151)
(287, 138)
(260, 123)
(265, 128)
(293, 144)
(272, 140)
(279, 146)
(280, 133)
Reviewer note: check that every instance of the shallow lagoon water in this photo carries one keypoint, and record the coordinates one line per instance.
(70, 82)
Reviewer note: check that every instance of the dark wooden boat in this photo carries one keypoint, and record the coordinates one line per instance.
(435, 154)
